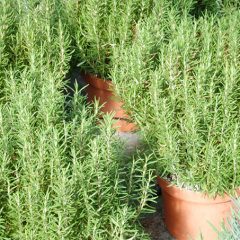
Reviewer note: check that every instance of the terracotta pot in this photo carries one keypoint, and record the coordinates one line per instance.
(103, 91)
(123, 125)
(188, 214)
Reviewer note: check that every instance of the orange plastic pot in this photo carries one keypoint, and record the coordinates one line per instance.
(103, 91)
(189, 214)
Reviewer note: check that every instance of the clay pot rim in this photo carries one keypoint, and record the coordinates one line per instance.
(97, 82)
(192, 196)
(106, 88)
(123, 125)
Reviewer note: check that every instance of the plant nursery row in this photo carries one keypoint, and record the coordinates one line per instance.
(76, 74)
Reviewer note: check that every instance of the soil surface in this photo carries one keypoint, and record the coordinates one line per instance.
(153, 223)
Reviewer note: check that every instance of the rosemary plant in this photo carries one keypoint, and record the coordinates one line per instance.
(5, 22)
(61, 175)
(103, 24)
(180, 80)
(233, 232)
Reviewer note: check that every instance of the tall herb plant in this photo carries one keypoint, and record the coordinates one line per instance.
(101, 26)
(61, 175)
(5, 23)
(180, 80)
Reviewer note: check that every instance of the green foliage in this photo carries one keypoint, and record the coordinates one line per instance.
(5, 23)
(62, 176)
(102, 24)
(180, 81)
(233, 232)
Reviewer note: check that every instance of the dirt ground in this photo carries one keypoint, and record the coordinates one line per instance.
(154, 226)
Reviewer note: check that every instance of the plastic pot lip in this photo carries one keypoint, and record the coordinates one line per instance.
(192, 196)
(97, 82)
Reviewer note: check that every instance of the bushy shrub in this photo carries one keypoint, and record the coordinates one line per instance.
(62, 176)
(180, 81)
(101, 26)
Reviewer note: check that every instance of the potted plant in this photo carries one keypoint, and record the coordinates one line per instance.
(186, 102)
(102, 25)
